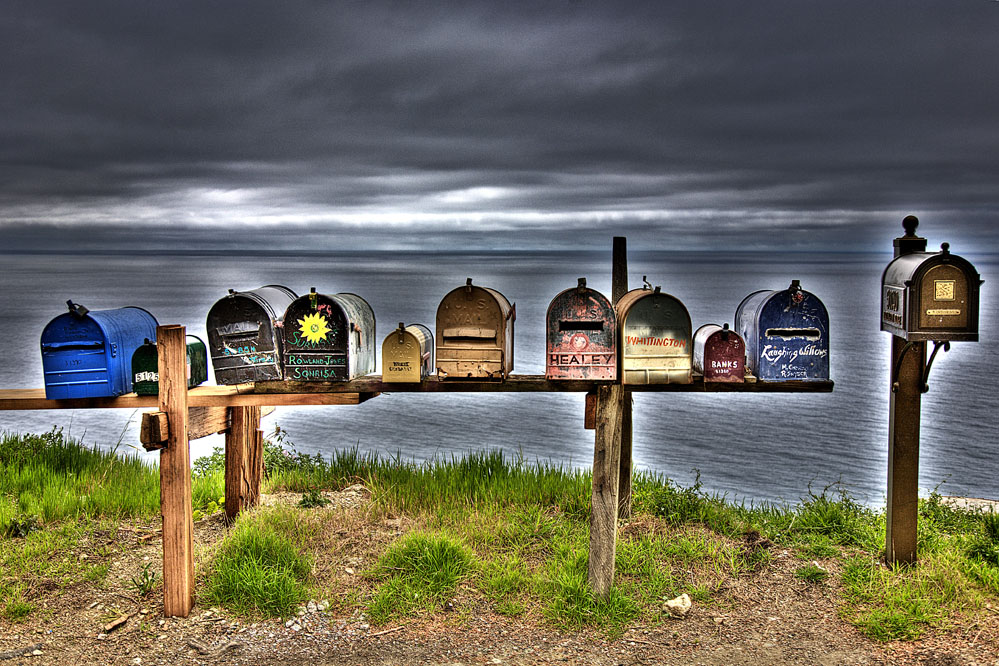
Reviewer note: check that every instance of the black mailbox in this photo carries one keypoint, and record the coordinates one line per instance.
(243, 334)
(930, 296)
(328, 338)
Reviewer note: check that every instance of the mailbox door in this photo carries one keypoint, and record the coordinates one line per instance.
(402, 360)
(145, 370)
(724, 357)
(943, 299)
(471, 334)
(655, 339)
(316, 339)
(581, 340)
(74, 360)
(793, 338)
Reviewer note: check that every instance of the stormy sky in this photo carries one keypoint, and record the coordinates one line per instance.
(310, 125)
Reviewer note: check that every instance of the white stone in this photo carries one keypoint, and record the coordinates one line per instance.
(679, 606)
(311, 607)
(289, 622)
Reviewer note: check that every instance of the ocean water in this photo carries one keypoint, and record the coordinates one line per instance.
(754, 447)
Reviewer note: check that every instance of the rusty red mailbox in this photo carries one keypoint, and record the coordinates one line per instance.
(719, 354)
(581, 333)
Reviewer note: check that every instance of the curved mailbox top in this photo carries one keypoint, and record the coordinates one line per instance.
(786, 334)
(242, 334)
(719, 354)
(88, 354)
(931, 296)
(407, 354)
(581, 334)
(328, 337)
(475, 333)
(655, 338)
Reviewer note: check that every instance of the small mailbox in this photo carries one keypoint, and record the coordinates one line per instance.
(930, 296)
(328, 338)
(243, 334)
(655, 338)
(408, 354)
(786, 334)
(88, 354)
(146, 371)
(719, 354)
(582, 335)
(475, 334)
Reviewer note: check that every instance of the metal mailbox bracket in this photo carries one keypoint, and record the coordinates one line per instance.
(926, 371)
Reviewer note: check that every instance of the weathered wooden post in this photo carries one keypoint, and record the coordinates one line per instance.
(175, 474)
(606, 476)
(925, 296)
(619, 287)
(244, 459)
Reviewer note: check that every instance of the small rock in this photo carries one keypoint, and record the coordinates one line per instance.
(349, 570)
(323, 605)
(296, 627)
(289, 623)
(301, 612)
(101, 636)
(679, 606)
(36, 653)
(143, 612)
(137, 661)
(311, 607)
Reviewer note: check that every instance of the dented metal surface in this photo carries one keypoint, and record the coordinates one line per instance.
(243, 335)
(328, 338)
(475, 333)
(931, 296)
(786, 334)
(655, 338)
(408, 354)
(719, 354)
(145, 366)
(88, 354)
(581, 334)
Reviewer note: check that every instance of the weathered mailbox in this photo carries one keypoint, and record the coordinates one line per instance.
(786, 334)
(328, 338)
(88, 354)
(582, 335)
(145, 366)
(408, 354)
(475, 334)
(244, 335)
(930, 296)
(655, 338)
(719, 354)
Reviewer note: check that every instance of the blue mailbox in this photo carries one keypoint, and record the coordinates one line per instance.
(88, 354)
(786, 334)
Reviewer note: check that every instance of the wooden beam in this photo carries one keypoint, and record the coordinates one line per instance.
(175, 475)
(619, 287)
(606, 474)
(243, 460)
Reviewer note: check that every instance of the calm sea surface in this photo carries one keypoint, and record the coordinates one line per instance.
(756, 447)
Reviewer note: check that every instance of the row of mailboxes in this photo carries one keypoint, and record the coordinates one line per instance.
(270, 333)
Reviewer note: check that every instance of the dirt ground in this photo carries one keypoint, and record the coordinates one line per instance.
(768, 617)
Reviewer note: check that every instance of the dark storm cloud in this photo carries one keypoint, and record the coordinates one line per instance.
(511, 124)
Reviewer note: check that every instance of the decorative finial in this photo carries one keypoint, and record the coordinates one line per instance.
(945, 247)
(909, 223)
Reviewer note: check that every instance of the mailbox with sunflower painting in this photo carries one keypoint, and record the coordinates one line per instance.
(328, 338)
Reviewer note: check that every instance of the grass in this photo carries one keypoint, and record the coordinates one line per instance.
(483, 530)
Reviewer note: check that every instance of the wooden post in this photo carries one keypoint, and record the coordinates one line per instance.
(619, 287)
(244, 459)
(606, 474)
(906, 384)
(903, 451)
(175, 474)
